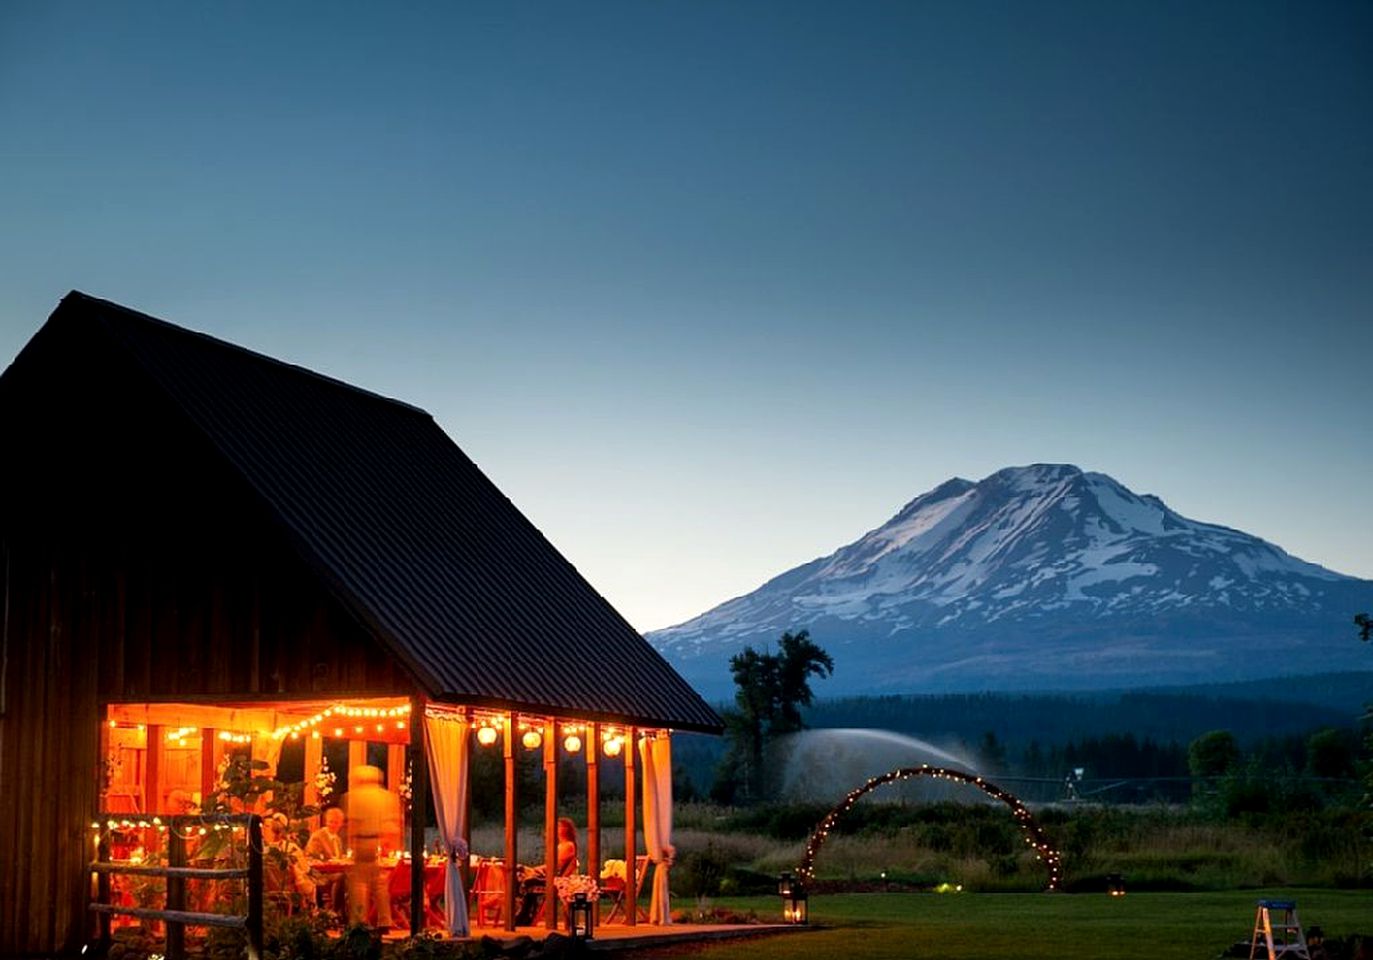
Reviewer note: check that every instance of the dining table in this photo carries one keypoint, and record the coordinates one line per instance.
(398, 882)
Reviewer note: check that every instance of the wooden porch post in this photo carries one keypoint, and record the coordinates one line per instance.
(152, 770)
(550, 824)
(593, 811)
(631, 845)
(419, 790)
(314, 754)
(207, 765)
(357, 755)
(396, 756)
(511, 820)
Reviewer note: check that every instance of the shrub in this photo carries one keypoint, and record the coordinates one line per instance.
(699, 873)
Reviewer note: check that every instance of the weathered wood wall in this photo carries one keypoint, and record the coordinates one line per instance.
(136, 568)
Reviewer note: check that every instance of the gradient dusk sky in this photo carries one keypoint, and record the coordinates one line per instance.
(709, 289)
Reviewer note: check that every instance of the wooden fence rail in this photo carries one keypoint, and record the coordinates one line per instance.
(174, 915)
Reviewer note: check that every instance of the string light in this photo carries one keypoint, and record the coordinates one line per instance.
(179, 735)
(1034, 834)
(376, 714)
(230, 737)
(612, 741)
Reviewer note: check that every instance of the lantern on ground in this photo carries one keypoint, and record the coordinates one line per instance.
(1115, 885)
(794, 901)
(579, 916)
(1315, 941)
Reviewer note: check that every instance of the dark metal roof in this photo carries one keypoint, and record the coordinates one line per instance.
(408, 533)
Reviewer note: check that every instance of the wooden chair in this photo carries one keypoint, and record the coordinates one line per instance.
(534, 892)
(398, 886)
(488, 893)
(616, 888)
(277, 887)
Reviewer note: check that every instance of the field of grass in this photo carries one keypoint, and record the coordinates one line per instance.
(1157, 848)
(1160, 926)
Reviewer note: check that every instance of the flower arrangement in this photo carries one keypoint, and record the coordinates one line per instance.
(569, 887)
(325, 782)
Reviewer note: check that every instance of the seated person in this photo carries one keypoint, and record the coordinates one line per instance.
(326, 843)
(288, 857)
(532, 880)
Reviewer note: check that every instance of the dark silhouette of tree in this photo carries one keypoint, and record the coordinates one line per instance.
(1365, 624)
(1213, 754)
(798, 659)
(771, 689)
(756, 677)
(991, 754)
(1331, 753)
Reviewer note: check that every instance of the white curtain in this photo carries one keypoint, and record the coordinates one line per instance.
(656, 760)
(446, 736)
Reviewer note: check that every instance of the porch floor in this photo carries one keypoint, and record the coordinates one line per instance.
(618, 936)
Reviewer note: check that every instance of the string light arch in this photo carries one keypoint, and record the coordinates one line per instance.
(1034, 834)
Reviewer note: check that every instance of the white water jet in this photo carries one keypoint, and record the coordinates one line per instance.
(827, 763)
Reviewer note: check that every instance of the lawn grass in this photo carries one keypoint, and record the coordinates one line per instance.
(1161, 926)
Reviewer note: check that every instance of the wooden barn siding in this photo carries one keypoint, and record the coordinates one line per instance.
(86, 631)
(250, 634)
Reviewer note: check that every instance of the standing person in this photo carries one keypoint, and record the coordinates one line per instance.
(374, 821)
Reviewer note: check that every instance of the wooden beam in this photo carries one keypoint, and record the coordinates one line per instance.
(593, 811)
(631, 845)
(419, 789)
(550, 824)
(511, 820)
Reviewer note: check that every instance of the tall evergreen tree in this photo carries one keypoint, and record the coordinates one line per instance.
(770, 690)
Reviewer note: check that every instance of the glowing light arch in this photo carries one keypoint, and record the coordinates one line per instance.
(1034, 834)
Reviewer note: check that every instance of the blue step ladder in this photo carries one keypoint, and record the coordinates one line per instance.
(1278, 931)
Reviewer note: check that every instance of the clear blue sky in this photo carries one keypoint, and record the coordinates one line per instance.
(711, 288)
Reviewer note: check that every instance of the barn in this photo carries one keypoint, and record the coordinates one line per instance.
(206, 550)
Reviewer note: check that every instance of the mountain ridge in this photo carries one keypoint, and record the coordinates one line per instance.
(1043, 575)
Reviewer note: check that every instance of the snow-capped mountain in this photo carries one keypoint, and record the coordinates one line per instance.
(1041, 576)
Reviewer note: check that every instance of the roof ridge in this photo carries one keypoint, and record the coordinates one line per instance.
(85, 299)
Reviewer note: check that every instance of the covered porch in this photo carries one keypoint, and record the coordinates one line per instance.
(175, 758)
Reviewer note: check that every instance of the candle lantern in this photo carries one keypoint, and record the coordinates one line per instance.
(1315, 941)
(1115, 885)
(579, 917)
(794, 900)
